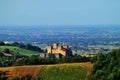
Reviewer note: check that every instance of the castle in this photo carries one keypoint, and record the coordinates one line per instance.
(58, 51)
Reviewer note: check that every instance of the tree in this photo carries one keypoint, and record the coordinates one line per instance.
(6, 50)
(2, 43)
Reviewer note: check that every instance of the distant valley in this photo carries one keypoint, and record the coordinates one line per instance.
(82, 39)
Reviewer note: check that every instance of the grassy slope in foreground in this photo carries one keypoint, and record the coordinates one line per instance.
(19, 51)
(69, 71)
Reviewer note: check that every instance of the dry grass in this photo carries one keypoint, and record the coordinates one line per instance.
(20, 71)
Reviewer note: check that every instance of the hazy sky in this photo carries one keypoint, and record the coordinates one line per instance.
(59, 12)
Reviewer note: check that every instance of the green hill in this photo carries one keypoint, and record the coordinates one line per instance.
(18, 51)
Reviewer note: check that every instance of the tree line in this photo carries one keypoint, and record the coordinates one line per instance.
(36, 60)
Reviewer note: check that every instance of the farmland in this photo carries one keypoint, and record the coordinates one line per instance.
(67, 71)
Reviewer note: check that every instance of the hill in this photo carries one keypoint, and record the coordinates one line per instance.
(18, 51)
(66, 71)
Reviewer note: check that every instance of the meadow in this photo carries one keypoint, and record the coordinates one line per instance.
(19, 51)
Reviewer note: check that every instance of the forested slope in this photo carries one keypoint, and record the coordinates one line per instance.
(106, 66)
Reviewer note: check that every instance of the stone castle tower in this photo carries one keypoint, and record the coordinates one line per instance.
(59, 50)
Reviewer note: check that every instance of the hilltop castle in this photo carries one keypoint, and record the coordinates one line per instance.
(58, 51)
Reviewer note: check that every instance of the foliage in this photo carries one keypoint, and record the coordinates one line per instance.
(106, 66)
(35, 60)
(6, 61)
(6, 50)
(2, 43)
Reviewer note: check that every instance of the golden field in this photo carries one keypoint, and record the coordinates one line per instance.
(20, 71)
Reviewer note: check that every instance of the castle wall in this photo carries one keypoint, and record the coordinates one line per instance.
(55, 45)
(66, 47)
(49, 49)
(60, 47)
(55, 49)
(63, 52)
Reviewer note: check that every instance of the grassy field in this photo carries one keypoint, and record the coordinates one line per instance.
(19, 51)
(68, 71)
